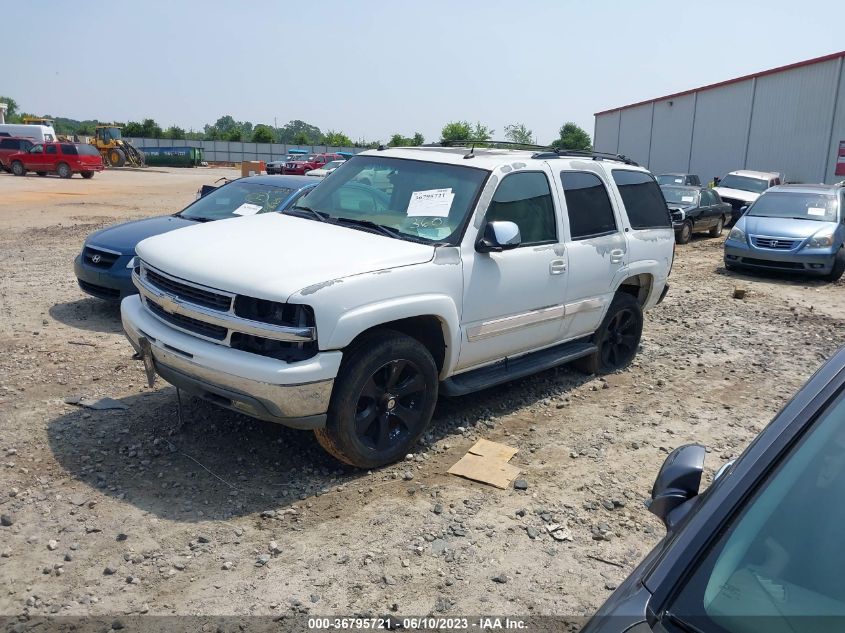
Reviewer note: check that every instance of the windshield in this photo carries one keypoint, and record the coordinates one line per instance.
(237, 198)
(680, 195)
(822, 207)
(670, 179)
(745, 183)
(421, 200)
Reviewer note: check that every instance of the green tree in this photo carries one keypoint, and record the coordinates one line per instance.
(519, 133)
(456, 131)
(133, 129)
(150, 129)
(12, 110)
(417, 140)
(234, 135)
(263, 134)
(174, 132)
(293, 130)
(337, 139)
(397, 140)
(574, 137)
(301, 138)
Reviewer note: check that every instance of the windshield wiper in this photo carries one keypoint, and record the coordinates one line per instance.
(367, 224)
(198, 218)
(319, 215)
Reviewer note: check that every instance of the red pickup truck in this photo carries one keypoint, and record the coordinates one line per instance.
(64, 159)
(314, 161)
(12, 145)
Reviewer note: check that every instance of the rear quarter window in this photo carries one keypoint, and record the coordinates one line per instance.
(87, 150)
(68, 149)
(643, 199)
(8, 143)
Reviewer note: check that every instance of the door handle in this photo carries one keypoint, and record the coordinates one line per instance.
(616, 256)
(557, 266)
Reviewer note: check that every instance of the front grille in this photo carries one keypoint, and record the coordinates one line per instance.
(771, 264)
(187, 323)
(98, 258)
(205, 298)
(774, 243)
(100, 291)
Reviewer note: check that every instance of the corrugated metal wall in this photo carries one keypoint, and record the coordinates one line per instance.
(790, 121)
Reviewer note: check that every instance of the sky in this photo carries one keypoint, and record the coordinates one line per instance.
(371, 68)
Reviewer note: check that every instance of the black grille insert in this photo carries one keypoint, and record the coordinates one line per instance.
(187, 323)
(100, 259)
(190, 293)
(771, 264)
(102, 291)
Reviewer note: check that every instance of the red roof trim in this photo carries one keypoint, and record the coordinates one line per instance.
(808, 62)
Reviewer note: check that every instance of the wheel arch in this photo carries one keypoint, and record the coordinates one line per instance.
(639, 286)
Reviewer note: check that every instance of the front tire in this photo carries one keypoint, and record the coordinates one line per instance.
(382, 402)
(617, 338)
(18, 169)
(685, 234)
(838, 265)
(117, 157)
(716, 231)
(64, 170)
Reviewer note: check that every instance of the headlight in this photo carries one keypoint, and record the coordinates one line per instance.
(133, 262)
(821, 240)
(737, 234)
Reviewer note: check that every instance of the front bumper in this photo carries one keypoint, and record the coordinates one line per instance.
(109, 284)
(806, 261)
(293, 394)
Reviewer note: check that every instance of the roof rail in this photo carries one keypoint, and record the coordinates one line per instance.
(491, 144)
(563, 153)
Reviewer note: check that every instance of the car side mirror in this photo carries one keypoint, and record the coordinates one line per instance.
(677, 482)
(500, 235)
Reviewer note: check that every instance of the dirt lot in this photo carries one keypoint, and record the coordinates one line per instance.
(124, 512)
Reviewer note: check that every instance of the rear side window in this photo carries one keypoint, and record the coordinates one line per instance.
(8, 143)
(68, 149)
(526, 200)
(590, 211)
(50, 149)
(643, 200)
(87, 150)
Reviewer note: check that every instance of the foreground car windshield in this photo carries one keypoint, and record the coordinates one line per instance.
(754, 185)
(804, 206)
(677, 195)
(421, 200)
(237, 198)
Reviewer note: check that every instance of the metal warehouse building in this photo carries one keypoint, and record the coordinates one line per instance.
(789, 119)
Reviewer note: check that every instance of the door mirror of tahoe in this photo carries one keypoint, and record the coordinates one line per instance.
(499, 236)
(677, 482)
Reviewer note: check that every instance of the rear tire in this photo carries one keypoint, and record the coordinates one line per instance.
(382, 401)
(838, 265)
(617, 338)
(117, 157)
(685, 234)
(716, 231)
(64, 171)
(87, 174)
(18, 169)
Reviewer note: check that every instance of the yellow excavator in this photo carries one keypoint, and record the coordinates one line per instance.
(116, 151)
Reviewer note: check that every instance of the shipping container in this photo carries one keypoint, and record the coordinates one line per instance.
(173, 156)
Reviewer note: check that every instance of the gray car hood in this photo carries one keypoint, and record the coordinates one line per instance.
(783, 227)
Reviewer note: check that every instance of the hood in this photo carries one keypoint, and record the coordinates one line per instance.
(272, 255)
(736, 194)
(782, 227)
(124, 237)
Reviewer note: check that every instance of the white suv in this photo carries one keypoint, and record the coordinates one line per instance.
(409, 273)
(742, 187)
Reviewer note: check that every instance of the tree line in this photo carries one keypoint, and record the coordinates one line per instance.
(297, 132)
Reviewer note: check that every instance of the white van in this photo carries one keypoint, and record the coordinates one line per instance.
(38, 133)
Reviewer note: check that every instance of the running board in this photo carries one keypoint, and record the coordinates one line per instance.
(513, 368)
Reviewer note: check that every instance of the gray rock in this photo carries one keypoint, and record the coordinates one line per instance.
(109, 570)
(202, 538)
(6, 520)
(438, 546)
(262, 560)
(407, 475)
(520, 484)
(609, 585)
(227, 565)
(501, 579)
(438, 508)
(52, 544)
(607, 503)
(532, 532)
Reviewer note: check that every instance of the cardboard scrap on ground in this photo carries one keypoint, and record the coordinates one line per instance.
(102, 404)
(487, 462)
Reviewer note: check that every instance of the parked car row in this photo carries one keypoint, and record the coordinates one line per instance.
(301, 163)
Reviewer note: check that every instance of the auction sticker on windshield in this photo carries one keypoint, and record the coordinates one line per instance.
(816, 211)
(687, 198)
(431, 203)
(247, 209)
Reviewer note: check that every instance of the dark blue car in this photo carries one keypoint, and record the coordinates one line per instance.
(104, 267)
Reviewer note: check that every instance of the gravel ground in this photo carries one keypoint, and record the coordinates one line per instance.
(123, 512)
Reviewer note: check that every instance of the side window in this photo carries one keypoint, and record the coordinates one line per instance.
(8, 143)
(37, 149)
(68, 149)
(525, 199)
(26, 145)
(588, 205)
(643, 200)
(51, 149)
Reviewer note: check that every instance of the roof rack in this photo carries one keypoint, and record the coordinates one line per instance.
(579, 153)
(547, 152)
(491, 144)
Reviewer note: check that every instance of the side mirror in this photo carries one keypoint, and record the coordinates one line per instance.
(499, 236)
(677, 482)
